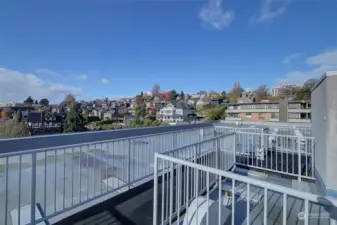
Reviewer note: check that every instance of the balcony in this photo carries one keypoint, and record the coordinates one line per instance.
(234, 174)
(251, 108)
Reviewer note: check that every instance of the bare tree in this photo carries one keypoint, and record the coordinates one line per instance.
(70, 99)
(155, 89)
(261, 92)
(236, 90)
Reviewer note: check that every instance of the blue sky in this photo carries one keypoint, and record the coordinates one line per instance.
(119, 48)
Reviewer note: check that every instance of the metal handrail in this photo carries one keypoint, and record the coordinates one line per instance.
(197, 143)
(9, 154)
(276, 135)
(270, 186)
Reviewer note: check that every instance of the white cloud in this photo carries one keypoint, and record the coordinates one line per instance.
(44, 71)
(290, 58)
(323, 62)
(214, 16)
(81, 77)
(270, 10)
(104, 81)
(16, 86)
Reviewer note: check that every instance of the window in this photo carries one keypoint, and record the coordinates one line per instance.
(234, 115)
(275, 115)
(261, 116)
(248, 115)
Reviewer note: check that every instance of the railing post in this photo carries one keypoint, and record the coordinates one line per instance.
(234, 149)
(175, 140)
(201, 135)
(218, 153)
(155, 189)
(129, 163)
(262, 150)
(299, 160)
(33, 190)
(196, 153)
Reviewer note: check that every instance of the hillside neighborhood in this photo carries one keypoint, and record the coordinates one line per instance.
(152, 108)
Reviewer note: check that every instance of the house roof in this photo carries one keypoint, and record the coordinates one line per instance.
(41, 117)
(181, 105)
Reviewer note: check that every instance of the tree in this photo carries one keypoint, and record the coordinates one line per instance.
(303, 94)
(36, 103)
(155, 89)
(216, 113)
(44, 102)
(236, 90)
(202, 93)
(261, 92)
(140, 110)
(288, 93)
(74, 120)
(173, 95)
(182, 95)
(310, 83)
(223, 95)
(29, 100)
(69, 99)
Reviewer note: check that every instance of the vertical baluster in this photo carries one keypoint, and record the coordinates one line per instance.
(45, 184)
(64, 177)
(284, 221)
(155, 191)
(265, 206)
(55, 174)
(219, 202)
(19, 199)
(33, 190)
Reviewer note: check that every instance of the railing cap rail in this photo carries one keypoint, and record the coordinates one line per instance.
(46, 149)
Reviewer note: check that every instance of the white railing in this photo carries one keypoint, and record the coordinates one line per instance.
(59, 179)
(290, 155)
(227, 130)
(217, 152)
(297, 131)
(189, 193)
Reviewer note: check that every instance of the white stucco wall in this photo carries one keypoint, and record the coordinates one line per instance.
(324, 128)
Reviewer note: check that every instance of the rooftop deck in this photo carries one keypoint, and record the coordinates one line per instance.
(111, 181)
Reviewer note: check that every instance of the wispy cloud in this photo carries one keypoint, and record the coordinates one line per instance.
(81, 77)
(270, 9)
(44, 71)
(295, 77)
(214, 16)
(290, 58)
(104, 81)
(322, 62)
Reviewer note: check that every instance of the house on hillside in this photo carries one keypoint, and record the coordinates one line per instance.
(40, 122)
(108, 115)
(176, 112)
(200, 103)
